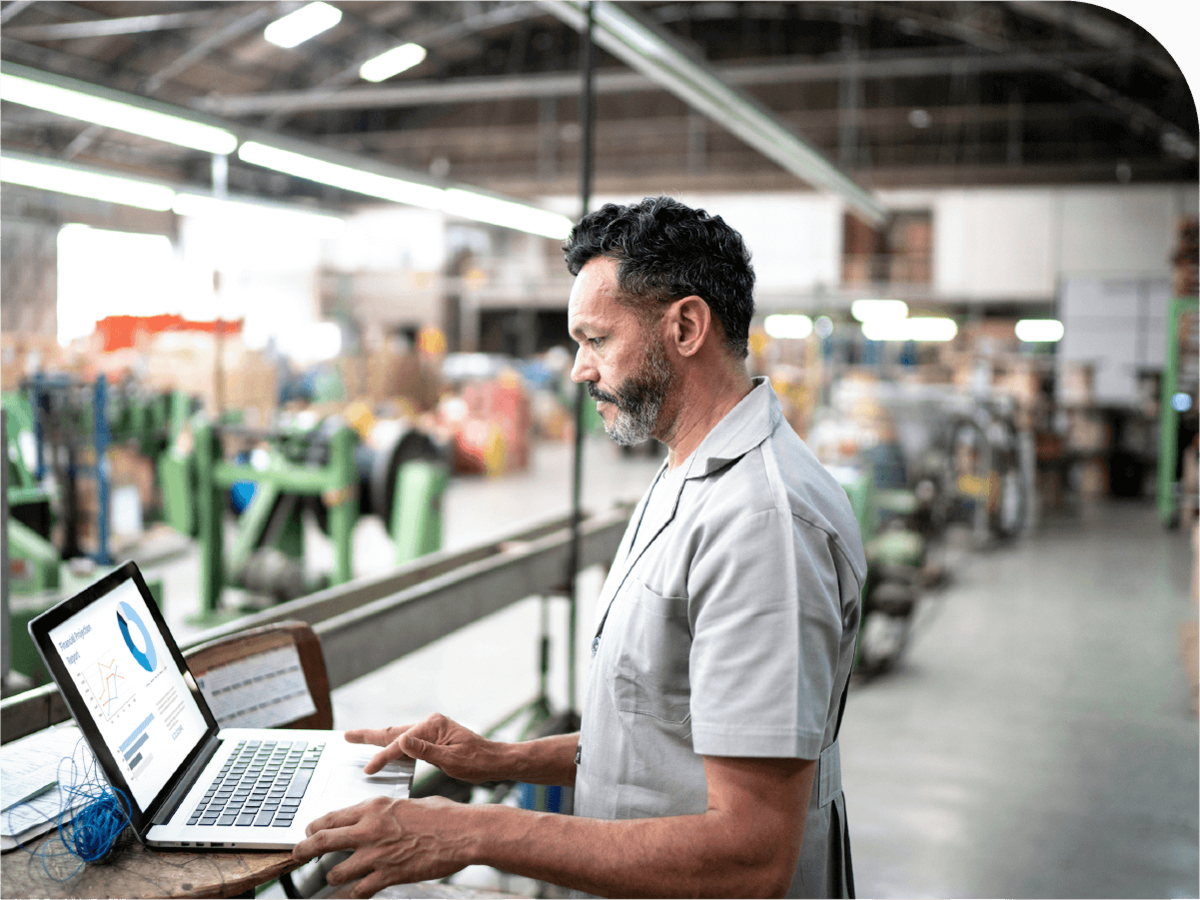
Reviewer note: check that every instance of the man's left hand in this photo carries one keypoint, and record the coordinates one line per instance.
(392, 842)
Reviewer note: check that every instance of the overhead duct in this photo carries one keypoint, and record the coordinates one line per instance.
(642, 48)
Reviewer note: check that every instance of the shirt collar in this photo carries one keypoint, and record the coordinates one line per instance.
(744, 427)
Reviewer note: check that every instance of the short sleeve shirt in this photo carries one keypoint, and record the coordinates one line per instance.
(726, 625)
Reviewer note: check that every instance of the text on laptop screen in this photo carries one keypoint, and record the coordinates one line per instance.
(138, 698)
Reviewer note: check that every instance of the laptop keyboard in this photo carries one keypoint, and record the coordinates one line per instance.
(260, 784)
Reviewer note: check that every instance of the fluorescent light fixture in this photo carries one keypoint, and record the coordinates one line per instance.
(83, 183)
(930, 328)
(455, 201)
(115, 114)
(345, 177)
(506, 213)
(1039, 331)
(297, 27)
(788, 326)
(397, 60)
(865, 310)
(248, 211)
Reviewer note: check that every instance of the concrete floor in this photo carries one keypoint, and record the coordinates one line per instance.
(1039, 738)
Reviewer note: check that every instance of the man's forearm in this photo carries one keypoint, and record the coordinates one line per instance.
(697, 855)
(549, 760)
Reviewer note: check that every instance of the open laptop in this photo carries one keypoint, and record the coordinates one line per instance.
(190, 782)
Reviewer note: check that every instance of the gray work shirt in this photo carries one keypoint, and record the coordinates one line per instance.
(727, 627)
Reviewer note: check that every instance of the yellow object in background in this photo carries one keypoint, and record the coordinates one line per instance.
(360, 417)
(431, 341)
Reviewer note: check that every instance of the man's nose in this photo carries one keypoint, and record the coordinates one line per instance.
(583, 370)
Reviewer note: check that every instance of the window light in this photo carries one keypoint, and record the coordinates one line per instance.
(89, 107)
(1039, 331)
(307, 22)
(397, 60)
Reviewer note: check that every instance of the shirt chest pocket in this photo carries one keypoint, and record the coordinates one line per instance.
(650, 664)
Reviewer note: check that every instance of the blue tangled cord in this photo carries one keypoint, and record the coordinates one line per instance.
(101, 815)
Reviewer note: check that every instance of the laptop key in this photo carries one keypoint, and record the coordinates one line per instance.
(299, 784)
(264, 817)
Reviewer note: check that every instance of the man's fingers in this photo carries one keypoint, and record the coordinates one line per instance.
(381, 737)
(388, 754)
(324, 841)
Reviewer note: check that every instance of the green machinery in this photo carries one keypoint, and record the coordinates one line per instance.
(1182, 310)
(34, 561)
(895, 557)
(326, 470)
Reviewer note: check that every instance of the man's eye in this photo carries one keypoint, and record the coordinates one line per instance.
(596, 341)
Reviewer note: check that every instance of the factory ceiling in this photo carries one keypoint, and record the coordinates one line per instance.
(889, 94)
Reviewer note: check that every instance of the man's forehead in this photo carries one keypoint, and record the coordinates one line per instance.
(594, 292)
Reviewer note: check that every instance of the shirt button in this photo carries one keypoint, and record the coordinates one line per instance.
(595, 644)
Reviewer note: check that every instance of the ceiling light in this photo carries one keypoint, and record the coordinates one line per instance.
(1039, 331)
(91, 107)
(395, 61)
(919, 329)
(788, 326)
(506, 213)
(49, 176)
(866, 310)
(345, 177)
(250, 211)
(297, 27)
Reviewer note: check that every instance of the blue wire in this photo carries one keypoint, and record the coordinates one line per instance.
(100, 818)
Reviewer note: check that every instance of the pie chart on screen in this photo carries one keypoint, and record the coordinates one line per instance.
(145, 655)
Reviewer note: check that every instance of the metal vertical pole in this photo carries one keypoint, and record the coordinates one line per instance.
(209, 513)
(344, 514)
(101, 438)
(587, 115)
(6, 639)
(1167, 499)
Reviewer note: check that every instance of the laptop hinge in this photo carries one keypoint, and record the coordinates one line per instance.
(163, 816)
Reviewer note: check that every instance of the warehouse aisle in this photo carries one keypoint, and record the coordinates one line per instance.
(1040, 740)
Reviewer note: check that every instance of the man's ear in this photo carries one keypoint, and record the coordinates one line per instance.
(689, 322)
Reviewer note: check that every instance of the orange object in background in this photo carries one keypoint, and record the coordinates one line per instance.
(120, 332)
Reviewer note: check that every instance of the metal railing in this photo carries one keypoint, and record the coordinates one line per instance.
(371, 622)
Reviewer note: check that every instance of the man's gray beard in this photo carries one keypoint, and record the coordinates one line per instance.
(641, 398)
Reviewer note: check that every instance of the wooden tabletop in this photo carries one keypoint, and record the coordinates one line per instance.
(136, 871)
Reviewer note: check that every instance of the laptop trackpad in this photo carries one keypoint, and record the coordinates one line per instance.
(347, 784)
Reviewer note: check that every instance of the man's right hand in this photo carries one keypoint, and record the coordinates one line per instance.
(441, 742)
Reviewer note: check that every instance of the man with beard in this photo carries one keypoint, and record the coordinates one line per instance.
(707, 761)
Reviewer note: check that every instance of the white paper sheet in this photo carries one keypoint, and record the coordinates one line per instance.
(260, 691)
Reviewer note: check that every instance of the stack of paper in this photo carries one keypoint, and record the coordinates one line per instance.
(31, 797)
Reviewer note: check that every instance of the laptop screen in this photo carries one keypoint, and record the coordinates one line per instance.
(131, 683)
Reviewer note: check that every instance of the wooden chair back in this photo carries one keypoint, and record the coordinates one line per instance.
(246, 644)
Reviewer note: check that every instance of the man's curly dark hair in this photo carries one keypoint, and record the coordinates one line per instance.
(666, 251)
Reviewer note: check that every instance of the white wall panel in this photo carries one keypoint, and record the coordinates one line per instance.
(1118, 231)
(994, 244)
(391, 238)
(795, 239)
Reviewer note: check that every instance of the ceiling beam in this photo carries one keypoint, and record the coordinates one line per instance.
(12, 9)
(108, 27)
(515, 87)
(1079, 19)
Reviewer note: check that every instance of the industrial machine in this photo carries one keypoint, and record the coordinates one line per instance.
(274, 477)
